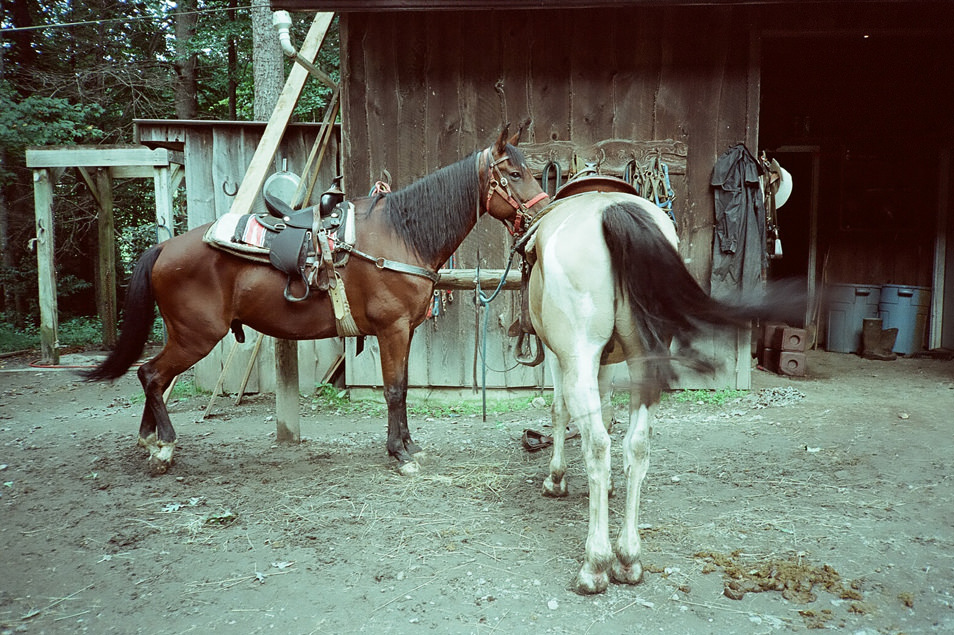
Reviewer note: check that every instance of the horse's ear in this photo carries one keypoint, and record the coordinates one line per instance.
(514, 140)
(501, 146)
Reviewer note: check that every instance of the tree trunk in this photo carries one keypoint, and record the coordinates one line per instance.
(268, 68)
(187, 103)
(232, 66)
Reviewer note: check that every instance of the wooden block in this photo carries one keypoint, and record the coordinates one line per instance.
(791, 363)
(768, 359)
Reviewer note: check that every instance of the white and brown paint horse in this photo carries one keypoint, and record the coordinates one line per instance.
(608, 285)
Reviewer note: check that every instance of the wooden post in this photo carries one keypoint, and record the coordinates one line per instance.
(286, 352)
(286, 391)
(162, 182)
(46, 271)
(106, 259)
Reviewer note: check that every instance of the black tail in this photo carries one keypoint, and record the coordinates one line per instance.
(667, 302)
(139, 311)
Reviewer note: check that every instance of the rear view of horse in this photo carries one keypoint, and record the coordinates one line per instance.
(401, 241)
(608, 285)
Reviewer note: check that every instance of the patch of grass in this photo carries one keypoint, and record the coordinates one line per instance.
(328, 397)
(706, 397)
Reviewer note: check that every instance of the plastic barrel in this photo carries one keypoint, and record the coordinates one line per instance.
(848, 306)
(906, 309)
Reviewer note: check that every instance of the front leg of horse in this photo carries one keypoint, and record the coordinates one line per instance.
(400, 445)
(554, 484)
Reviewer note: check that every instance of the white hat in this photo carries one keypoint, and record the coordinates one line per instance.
(784, 187)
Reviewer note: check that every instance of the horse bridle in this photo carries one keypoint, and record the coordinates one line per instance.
(500, 185)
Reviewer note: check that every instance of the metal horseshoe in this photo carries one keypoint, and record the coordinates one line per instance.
(225, 188)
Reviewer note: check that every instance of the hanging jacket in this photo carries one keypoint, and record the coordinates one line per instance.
(739, 258)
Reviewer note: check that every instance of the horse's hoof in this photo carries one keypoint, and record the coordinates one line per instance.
(590, 584)
(409, 468)
(623, 574)
(555, 490)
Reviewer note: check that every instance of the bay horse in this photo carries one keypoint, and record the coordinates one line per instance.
(403, 238)
(608, 285)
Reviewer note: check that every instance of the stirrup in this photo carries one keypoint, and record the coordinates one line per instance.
(525, 354)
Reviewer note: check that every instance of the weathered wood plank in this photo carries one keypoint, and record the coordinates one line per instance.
(96, 156)
(468, 279)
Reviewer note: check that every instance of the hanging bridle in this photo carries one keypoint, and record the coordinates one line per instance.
(499, 184)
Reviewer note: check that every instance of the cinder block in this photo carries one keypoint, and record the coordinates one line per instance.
(791, 363)
(792, 339)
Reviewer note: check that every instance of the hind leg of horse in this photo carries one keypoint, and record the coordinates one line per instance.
(395, 347)
(582, 398)
(627, 568)
(555, 482)
(156, 433)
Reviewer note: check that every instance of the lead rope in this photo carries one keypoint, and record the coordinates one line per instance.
(483, 300)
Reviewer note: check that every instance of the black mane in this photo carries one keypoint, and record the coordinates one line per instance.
(439, 206)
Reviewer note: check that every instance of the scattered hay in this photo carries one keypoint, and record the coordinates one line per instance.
(795, 579)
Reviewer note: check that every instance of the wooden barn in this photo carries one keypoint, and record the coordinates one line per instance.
(852, 97)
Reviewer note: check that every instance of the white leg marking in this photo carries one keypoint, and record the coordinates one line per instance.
(627, 568)
(555, 482)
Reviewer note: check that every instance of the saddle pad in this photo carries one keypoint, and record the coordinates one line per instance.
(241, 234)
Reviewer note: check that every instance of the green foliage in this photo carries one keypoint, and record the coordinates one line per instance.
(706, 397)
(37, 120)
(14, 338)
(331, 399)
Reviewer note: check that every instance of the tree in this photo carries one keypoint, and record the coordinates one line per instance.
(118, 60)
(269, 69)
(187, 105)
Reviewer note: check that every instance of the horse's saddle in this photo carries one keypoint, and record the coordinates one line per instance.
(595, 183)
(306, 244)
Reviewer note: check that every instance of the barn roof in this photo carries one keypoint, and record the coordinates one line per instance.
(484, 5)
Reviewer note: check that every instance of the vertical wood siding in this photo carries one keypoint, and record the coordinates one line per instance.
(423, 89)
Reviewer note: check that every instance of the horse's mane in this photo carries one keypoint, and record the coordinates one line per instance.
(439, 206)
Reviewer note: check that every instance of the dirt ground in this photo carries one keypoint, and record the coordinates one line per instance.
(821, 502)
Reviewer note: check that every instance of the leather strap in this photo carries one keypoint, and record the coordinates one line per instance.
(393, 265)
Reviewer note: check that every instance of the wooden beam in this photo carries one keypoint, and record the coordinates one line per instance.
(96, 156)
(265, 152)
(467, 279)
(46, 269)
